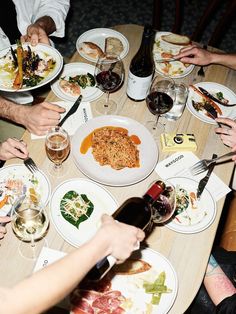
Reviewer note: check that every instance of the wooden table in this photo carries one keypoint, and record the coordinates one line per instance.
(188, 253)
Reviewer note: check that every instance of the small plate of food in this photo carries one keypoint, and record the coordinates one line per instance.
(204, 107)
(39, 65)
(76, 79)
(112, 150)
(76, 207)
(16, 180)
(145, 283)
(167, 45)
(191, 215)
(95, 42)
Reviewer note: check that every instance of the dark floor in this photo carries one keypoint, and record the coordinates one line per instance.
(85, 15)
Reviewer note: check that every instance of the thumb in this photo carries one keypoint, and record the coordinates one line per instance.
(5, 219)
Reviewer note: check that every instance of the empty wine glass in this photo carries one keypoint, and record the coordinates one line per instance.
(57, 147)
(109, 75)
(160, 100)
(30, 224)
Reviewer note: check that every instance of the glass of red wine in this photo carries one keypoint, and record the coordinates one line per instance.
(109, 75)
(160, 100)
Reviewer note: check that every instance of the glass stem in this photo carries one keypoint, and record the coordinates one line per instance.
(107, 100)
(157, 119)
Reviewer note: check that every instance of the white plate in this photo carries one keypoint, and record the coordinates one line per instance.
(72, 69)
(131, 288)
(211, 87)
(98, 36)
(206, 208)
(177, 68)
(102, 200)
(26, 180)
(43, 50)
(148, 152)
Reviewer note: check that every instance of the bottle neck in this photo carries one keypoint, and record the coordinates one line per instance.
(153, 193)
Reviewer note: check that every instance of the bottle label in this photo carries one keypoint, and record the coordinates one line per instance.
(137, 87)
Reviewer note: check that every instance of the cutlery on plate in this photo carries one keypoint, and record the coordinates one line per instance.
(71, 111)
(203, 182)
(206, 93)
(16, 205)
(165, 60)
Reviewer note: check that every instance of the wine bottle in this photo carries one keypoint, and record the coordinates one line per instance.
(141, 67)
(135, 211)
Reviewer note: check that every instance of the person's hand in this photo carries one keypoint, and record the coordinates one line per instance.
(122, 238)
(194, 55)
(3, 230)
(35, 34)
(234, 150)
(227, 133)
(13, 148)
(40, 118)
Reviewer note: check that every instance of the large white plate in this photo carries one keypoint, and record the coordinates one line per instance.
(206, 208)
(148, 152)
(24, 180)
(102, 200)
(211, 87)
(43, 51)
(131, 288)
(98, 36)
(177, 69)
(72, 69)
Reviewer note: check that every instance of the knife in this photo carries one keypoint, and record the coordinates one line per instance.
(16, 205)
(206, 93)
(203, 182)
(71, 111)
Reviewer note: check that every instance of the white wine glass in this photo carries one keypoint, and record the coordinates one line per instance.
(30, 224)
(57, 145)
(109, 76)
(160, 100)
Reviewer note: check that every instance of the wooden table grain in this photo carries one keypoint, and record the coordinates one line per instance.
(188, 253)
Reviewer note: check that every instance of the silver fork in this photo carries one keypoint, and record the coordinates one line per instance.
(203, 164)
(30, 164)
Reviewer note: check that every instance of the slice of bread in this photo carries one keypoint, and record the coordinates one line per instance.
(176, 39)
(113, 45)
(91, 49)
(131, 267)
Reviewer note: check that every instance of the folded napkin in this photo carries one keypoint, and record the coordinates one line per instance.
(46, 257)
(82, 115)
(22, 98)
(178, 164)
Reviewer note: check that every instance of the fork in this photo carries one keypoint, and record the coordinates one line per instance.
(30, 164)
(202, 165)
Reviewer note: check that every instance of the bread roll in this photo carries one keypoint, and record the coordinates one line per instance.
(113, 45)
(92, 50)
(176, 39)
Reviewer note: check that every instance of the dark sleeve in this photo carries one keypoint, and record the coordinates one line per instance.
(227, 306)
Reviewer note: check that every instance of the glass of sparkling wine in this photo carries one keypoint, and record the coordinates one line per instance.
(57, 147)
(30, 224)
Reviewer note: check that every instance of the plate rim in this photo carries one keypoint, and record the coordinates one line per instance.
(110, 117)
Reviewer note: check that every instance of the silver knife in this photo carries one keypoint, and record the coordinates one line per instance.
(16, 205)
(203, 182)
(71, 111)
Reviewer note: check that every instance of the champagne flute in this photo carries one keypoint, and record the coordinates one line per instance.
(57, 147)
(160, 100)
(30, 224)
(109, 75)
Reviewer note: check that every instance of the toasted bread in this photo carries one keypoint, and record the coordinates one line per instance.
(91, 49)
(113, 45)
(176, 39)
(131, 267)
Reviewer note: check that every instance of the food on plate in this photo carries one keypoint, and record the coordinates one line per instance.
(131, 267)
(25, 67)
(113, 146)
(176, 39)
(91, 49)
(113, 45)
(76, 208)
(220, 97)
(73, 84)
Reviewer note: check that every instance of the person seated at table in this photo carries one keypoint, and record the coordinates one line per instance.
(48, 286)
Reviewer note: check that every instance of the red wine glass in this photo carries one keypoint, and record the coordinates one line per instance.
(109, 75)
(160, 100)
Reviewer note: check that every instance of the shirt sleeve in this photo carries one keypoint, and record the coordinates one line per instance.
(227, 306)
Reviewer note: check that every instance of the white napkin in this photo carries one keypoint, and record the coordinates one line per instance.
(46, 257)
(19, 97)
(82, 115)
(178, 164)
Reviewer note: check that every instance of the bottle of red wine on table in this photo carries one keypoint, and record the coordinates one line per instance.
(138, 212)
(141, 67)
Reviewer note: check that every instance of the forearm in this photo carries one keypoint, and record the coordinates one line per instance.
(228, 60)
(47, 24)
(217, 283)
(11, 111)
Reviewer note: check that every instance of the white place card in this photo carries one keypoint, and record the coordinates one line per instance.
(178, 164)
(82, 115)
(47, 256)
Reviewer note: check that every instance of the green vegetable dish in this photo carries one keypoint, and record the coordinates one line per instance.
(76, 208)
(182, 200)
(83, 80)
